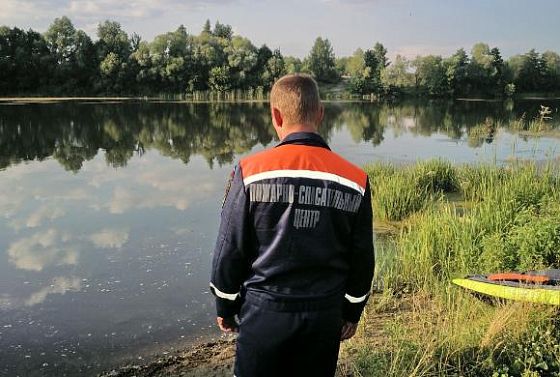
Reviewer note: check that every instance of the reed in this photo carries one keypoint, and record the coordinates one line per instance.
(499, 219)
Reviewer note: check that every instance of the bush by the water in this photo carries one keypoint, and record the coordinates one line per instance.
(498, 219)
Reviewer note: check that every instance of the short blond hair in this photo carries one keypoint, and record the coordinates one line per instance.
(297, 98)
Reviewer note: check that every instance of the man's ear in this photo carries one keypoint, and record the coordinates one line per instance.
(277, 117)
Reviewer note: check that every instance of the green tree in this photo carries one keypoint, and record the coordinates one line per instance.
(74, 55)
(143, 68)
(430, 75)
(397, 76)
(220, 79)
(171, 59)
(480, 69)
(112, 39)
(341, 64)
(274, 69)
(513, 67)
(222, 31)
(110, 66)
(321, 61)
(365, 68)
(355, 64)
(61, 40)
(135, 41)
(456, 71)
(380, 53)
(208, 51)
(207, 28)
(113, 51)
(25, 62)
(257, 74)
(551, 62)
(532, 72)
(293, 64)
(242, 57)
(498, 72)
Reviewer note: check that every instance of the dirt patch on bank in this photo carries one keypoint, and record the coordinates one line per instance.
(215, 359)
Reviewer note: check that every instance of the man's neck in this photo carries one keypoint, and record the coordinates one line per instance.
(299, 128)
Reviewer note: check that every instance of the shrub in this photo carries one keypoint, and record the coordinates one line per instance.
(397, 196)
(436, 176)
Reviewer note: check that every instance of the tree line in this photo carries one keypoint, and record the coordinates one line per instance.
(66, 61)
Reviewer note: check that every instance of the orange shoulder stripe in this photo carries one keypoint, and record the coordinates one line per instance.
(302, 157)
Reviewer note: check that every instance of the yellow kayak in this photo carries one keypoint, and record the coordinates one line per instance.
(532, 286)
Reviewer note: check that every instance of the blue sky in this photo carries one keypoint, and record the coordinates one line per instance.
(407, 27)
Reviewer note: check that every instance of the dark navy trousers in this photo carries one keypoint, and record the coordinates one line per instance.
(287, 343)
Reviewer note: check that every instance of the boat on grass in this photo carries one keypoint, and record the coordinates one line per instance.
(531, 286)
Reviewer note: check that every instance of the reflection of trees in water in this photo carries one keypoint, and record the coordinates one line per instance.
(74, 133)
(364, 122)
(456, 119)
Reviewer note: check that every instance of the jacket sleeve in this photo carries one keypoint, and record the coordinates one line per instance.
(231, 261)
(362, 262)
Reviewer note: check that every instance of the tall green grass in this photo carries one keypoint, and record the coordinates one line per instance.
(399, 192)
(452, 221)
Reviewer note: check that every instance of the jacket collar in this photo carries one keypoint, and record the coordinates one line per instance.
(304, 138)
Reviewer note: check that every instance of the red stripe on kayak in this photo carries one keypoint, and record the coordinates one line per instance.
(513, 276)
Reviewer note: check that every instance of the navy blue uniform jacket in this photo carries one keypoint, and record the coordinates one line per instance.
(296, 232)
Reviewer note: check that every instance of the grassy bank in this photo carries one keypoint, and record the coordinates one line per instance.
(443, 221)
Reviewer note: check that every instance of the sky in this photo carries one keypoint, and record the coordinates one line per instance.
(406, 27)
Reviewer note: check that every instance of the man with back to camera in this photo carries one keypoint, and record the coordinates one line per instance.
(294, 255)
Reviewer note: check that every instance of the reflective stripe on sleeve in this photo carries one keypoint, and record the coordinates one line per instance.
(220, 294)
(356, 300)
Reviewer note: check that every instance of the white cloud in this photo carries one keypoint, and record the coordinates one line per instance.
(412, 51)
(110, 238)
(48, 248)
(16, 11)
(59, 285)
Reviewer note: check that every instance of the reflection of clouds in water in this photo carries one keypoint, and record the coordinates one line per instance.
(147, 183)
(11, 201)
(15, 188)
(173, 181)
(44, 212)
(59, 285)
(70, 194)
(5, 302)
(173, 188)
(182, 231)
(98, 174)
(110, 238)
(48, 248)
(402, 122)
(124, 200)
(34, 194)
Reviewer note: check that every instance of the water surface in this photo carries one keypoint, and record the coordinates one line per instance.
(108, 211)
